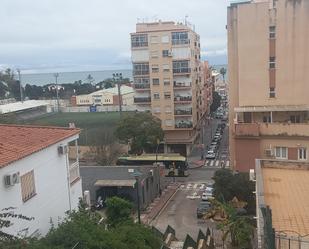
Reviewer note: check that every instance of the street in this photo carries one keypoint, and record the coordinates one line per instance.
(180, 211)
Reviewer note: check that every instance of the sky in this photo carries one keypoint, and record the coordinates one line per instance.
(40, 36)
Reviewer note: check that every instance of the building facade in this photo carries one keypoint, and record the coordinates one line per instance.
(168, 80)
(37, 177)
(268, 60)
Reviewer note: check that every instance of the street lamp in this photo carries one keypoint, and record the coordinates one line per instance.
(136, 175)
(20, 86)
(158, 166)
(117, 78)
(56, 75)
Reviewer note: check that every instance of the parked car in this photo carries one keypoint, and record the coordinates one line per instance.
(208, 194)
(210, 154)
(202, 209)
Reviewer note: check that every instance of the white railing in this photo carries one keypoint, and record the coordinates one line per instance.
(74, 171)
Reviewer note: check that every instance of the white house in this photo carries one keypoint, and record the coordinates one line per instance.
(37, 177)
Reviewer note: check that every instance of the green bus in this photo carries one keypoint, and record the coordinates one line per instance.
(174, 164)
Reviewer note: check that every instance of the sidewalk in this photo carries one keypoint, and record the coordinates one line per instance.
(159, 203)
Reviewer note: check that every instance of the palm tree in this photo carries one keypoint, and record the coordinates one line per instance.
(223, 72)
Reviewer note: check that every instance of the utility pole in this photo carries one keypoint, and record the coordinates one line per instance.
(20, 86)
(137, 175)
(56, 75)
(117, 78)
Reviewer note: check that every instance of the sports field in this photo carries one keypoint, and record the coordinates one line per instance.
(91, 123)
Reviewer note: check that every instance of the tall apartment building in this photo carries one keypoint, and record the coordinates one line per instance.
(268, 57)
(168, 80)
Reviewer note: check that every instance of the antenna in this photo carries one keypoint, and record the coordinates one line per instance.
(186, 17)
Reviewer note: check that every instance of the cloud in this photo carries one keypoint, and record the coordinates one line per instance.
(78, 34)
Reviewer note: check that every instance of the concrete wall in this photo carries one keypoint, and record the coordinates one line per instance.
(53, 193)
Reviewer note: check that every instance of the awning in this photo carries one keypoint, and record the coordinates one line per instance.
(279, 108)
(115, 183)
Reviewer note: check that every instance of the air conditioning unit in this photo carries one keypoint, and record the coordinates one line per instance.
(12, 179)
(63, 149)
(268, 152)
(170, 53)
(252, 175)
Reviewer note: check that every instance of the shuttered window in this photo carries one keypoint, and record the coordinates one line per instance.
(27, 186)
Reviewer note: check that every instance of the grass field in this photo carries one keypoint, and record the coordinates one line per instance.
(91, 123)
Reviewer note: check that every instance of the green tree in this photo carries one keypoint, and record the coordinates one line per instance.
(216, 102)
(118, 211)
(223, 72)
(141, 131)
(228, 185)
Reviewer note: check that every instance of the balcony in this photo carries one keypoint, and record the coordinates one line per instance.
(142, 87)
(183, 112)
(182, 99)
(74, 172)
(284, 129)
(182, 85)
(181, 71)
(247, 129)
(142, 100)
(184, 124)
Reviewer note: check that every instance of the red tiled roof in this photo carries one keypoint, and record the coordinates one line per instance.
(19, 141)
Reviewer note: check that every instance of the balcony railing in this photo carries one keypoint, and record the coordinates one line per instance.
(74, 171)
(184, 124)
(142, 100)
(284, 129)
(183, 112)
(247, 129)
(181, 70)
(182, 98)
(182, 85)
(141, 86)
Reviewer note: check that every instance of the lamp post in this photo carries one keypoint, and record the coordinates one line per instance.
(136, 175)
(56, 75)
(20, 86)
(117, 78)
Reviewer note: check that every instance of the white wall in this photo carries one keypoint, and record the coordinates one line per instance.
(52, 196)
(181, 53)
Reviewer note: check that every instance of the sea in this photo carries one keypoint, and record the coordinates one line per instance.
(41, 79)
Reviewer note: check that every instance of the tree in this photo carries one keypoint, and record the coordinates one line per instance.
(90, 79)
(228, 185)
(141, 131)
(118, 211)
(223, 72)
(216, 102)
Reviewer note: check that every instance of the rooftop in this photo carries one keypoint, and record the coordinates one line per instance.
(286, 192)
(17, 141)
(274, 108)
(19, 106)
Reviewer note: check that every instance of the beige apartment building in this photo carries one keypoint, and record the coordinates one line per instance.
(268, 58)
(168, 80)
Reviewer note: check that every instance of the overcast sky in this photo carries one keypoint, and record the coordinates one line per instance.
(82, 35)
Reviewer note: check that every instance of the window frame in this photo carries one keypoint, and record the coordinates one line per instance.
(302, 153)
(139, 40)
(280, 150)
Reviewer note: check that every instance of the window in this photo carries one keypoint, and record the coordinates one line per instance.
(167, 95)
(302, 153)
(281, 153)
(180, 38)
(154, 39)
(156, 110)
(295, 119)
(181, 66)
(156, 95)
(165, 53)
(272, 93)
(140, 69)
(155, 68)
(166, 67)
(272, 32)
(165, 39)
(139, 40)
(141, 81)
(154, 54)
(169, 122)
(166, 82)
(155, 82)
(168, 109)
(27, 186)
(272, 62)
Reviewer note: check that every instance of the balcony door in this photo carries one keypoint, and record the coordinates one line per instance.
(247, 117)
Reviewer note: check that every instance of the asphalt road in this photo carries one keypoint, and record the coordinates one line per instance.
(180, 211)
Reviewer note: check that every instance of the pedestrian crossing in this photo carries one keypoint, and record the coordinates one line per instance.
(195, 186)
(217, 164)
